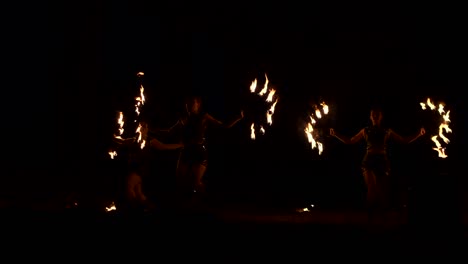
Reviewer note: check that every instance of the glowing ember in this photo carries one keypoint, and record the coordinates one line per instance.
(443, 127)
(112, 207)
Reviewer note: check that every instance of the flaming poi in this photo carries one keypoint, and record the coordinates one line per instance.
(271, 98)
(310, 131)
(120, 122)
(443, 127)
(140, 101)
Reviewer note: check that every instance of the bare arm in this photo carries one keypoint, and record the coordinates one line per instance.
(124, 141)
(229, 125)
(154, 143)
(356, 138)
(167, 129)
(406, 140)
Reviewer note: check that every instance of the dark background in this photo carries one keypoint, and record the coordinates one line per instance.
(350, 55)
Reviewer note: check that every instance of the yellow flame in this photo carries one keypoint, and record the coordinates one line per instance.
(112, 154)
(317, 113)
(142, 95)
(423, 105)
(270, 95)
(430, 104)
(446, 117)
(138, 131)
(270, 113)
(320, 147)
(253, 86)
(142, 145)
(441, 109)
(252, 131)
(140, 73)
(308, 130)
(312, 120)
(265, 87)
(121, 123)
(262, 130)
(325, 108)
(447, 129)
(112, 207)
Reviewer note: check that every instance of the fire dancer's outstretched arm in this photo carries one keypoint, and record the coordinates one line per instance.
(168, 130)
(124, 141)
(155, 143)
(356, 138)
(229, 125)
(406, 140)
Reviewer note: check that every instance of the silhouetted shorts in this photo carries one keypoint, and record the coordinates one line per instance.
(377, 163)
(195, 154)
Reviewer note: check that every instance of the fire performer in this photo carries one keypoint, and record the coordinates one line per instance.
(375, 164)
(138, 165)
(193, 159)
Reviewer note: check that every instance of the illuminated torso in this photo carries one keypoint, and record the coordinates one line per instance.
(376, 139)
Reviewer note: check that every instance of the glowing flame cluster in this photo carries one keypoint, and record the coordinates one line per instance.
(120, 122)
(140, 101)
(269, 99)
(443, 127)
(309, 130)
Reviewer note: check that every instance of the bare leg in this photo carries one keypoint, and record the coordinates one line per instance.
(141, 197)
(132, 182)
(372, 191)
(198, 171)
(183, 183)
(371, 196)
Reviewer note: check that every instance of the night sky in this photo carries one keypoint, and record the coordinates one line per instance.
(351, 56)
